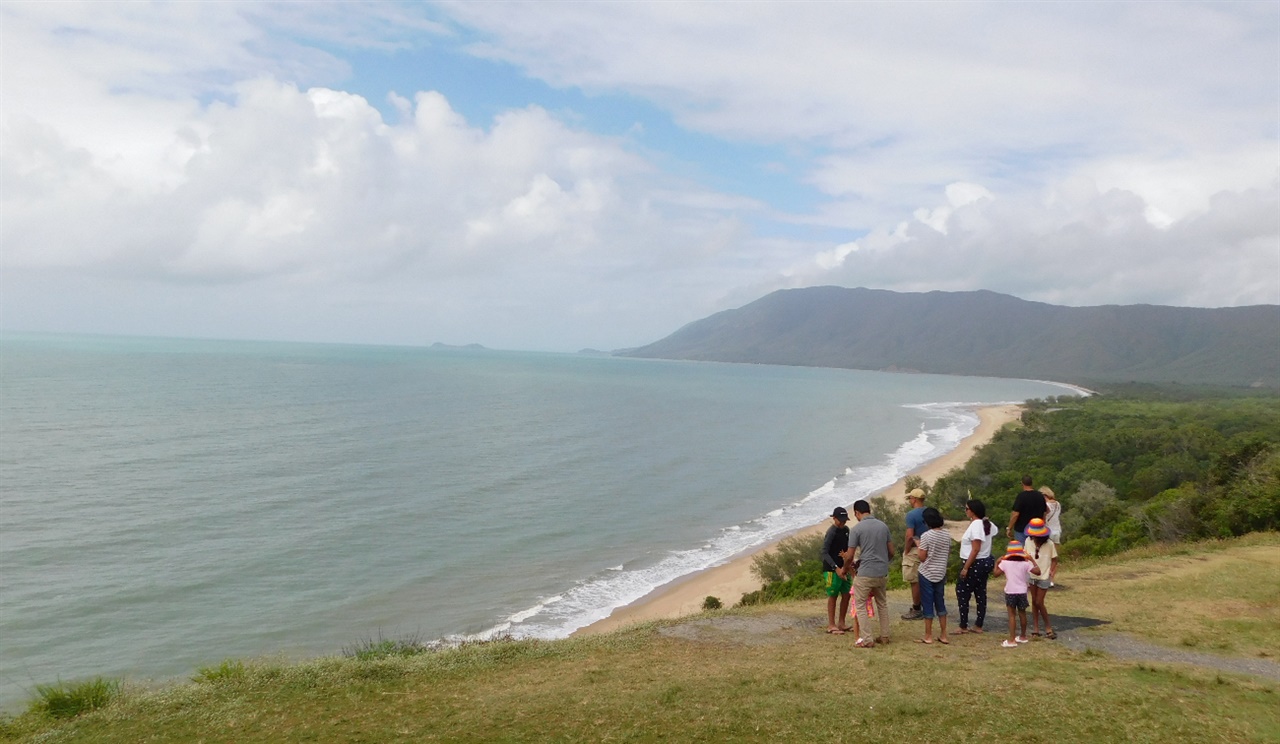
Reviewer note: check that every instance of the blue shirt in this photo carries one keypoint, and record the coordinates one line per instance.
(915, 521)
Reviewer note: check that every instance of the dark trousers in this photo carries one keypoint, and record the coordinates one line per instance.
(974, 585)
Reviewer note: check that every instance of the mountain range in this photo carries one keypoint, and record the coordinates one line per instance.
(990, 334)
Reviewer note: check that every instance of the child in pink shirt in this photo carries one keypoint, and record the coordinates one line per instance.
(1017, 571)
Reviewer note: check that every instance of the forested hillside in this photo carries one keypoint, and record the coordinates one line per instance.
(985, 333)
(1158, 465)
(1130, 471)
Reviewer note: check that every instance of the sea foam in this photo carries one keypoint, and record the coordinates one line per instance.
(596, 597)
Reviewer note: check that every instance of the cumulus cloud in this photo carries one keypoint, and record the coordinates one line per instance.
(203, 168)
(1075, 246)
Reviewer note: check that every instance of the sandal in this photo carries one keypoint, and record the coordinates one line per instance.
(1006, 643)
(835, 631)
(925, 641)
(944, 641)
(883, 640)
(864, 644)
(960, 631)
(1051, 635)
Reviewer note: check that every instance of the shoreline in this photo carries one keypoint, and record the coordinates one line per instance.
(729, 581)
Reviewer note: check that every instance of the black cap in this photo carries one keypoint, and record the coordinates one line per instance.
(840, 513)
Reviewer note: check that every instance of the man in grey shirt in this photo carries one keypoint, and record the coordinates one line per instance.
(872, 537)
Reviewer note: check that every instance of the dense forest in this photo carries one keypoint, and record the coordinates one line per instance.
(1146, 464)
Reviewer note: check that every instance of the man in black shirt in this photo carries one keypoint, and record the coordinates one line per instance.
(1028, 505)
(835, 572)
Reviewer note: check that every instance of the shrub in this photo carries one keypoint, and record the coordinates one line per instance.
(711, 603)
(68, 700)
(787, 558)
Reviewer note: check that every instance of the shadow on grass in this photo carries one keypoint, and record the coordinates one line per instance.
(1064, 623)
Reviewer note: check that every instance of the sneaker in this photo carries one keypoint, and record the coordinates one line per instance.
(1023, 639)
(913, 614)
(1006, 643)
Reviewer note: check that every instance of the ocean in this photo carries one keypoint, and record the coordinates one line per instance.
(168, 504)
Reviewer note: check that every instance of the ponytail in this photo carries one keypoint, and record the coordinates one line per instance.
(987, 529)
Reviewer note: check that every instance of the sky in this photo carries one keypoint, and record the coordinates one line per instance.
(558, 176)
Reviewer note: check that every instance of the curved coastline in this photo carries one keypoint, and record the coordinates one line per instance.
(732, 579)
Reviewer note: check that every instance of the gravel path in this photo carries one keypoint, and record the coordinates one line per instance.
(1125, 646)
(774, 628)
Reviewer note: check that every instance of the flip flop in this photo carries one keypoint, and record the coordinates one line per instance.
(960, 631)
(847, 628)
(1051, 635)
(944, 641)
(835, 631)
(925, 641)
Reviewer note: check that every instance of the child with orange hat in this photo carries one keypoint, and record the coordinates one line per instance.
(1017, 570)
(1042, 552)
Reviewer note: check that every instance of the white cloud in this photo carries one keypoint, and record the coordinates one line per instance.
(205, 159)
(1076, 246)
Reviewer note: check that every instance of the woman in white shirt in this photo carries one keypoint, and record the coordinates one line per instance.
(976, 565)
(1053, 515)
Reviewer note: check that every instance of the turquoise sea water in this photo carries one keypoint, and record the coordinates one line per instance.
(167, 504)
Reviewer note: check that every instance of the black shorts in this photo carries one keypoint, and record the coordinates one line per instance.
(1015, 601)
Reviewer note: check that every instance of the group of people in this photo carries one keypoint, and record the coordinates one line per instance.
(856, 566)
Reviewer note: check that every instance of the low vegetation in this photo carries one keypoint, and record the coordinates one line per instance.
(775, 683)
(1130, 472)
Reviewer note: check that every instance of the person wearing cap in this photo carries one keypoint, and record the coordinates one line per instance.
(910, 559)
(1029, 504)
(1017, 570)
(1042, 552)
(835, 570)
(872, 572)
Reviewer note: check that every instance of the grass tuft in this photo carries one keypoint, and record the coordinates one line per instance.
(230, 670)
(70, 699)
(367, 649)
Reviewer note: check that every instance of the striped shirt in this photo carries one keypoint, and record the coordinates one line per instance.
(938, 545)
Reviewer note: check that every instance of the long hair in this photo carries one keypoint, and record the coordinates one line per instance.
(979, 510)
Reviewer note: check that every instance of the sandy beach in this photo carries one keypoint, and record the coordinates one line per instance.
(731, 580)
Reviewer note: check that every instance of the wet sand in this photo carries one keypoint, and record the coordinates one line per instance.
(729, 581)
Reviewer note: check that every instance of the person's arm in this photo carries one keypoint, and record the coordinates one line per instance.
(1013, 519)
(998, 571)
(910, 539)
(975, 547)
(1053, 568)
(891, 551)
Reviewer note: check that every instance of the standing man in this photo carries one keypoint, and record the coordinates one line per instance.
(1028, 505)
(835, 570)
(910, 558)
(872, 571)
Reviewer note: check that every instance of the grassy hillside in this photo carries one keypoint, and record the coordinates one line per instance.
(769, 674)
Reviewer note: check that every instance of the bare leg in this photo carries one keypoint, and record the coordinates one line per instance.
(942, 628)
(831, 615)
(928, 630)
(1013, 624)
(844, 612)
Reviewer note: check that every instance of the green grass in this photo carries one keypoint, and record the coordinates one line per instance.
(788, 682)
(68, 700)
